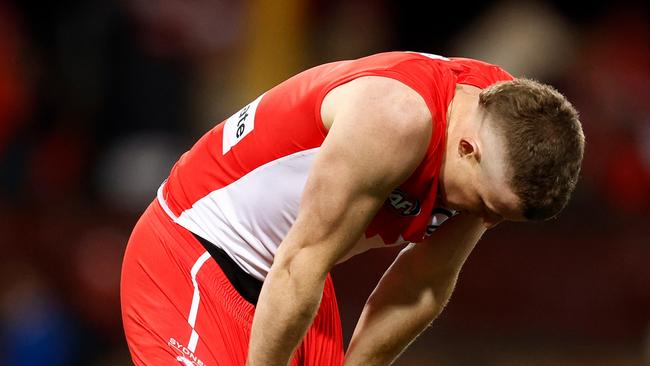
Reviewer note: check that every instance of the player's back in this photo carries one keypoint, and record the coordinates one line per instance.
(240, 185)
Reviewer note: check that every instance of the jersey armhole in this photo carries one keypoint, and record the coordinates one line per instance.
(392, 74)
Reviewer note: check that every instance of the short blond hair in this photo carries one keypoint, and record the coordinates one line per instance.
(544, 143)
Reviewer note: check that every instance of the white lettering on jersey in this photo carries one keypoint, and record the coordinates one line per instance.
(239, 125)
(438, 216)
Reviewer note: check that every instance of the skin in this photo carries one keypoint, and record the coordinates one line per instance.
(348, 184)
(474, 172)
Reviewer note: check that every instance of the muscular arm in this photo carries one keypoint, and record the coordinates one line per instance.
(379, 134)
(412, 292)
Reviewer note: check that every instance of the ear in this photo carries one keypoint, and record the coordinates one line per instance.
(468, 148)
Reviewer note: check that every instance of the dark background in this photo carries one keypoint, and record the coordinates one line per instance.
(99, 98)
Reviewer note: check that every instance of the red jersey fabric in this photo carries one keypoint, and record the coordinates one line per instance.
(239, 187)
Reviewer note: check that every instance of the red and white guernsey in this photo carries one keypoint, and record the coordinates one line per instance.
(240, 185)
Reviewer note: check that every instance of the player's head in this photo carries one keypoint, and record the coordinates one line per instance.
(521, 156)
(544, 143)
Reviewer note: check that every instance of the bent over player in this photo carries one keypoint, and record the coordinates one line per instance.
(230, 263)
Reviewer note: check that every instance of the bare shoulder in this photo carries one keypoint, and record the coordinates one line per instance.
(383, 99)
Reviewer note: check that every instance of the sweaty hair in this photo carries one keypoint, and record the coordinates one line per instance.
(544, 143)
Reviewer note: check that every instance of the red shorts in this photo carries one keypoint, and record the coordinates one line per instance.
(179, 308)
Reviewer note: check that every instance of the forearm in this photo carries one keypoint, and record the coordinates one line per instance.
(393, 317)
(412, 292)
(286, 307)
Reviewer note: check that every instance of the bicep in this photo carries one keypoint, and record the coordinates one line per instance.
(369, 150)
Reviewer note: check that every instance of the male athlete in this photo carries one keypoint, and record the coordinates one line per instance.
(230, 264)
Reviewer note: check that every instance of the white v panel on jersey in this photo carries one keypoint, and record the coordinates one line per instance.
(250, 217)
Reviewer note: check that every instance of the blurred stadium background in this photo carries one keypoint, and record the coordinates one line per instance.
(99, 98)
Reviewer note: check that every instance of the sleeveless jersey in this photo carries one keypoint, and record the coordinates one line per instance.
(240, 185)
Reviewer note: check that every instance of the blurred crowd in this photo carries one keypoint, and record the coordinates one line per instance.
(99, 98)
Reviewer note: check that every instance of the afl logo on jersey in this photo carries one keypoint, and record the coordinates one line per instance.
(239, 125)
(403, 203)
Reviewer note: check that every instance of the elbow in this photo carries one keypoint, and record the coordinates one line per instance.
(300, 264)
(299, 281)
(441, 294)
(436, 303)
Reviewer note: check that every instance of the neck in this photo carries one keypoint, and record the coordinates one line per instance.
(460, 113)
(461, 110)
